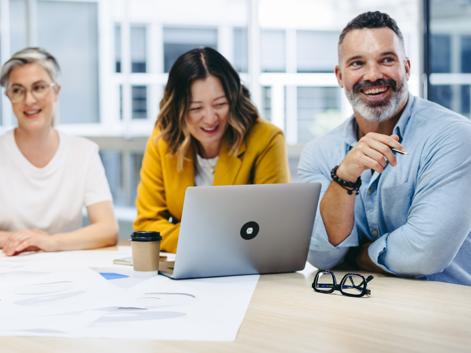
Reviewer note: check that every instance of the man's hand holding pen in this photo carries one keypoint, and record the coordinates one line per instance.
(373, 151)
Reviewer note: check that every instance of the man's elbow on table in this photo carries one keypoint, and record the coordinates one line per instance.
(326, 259)
(421, 264)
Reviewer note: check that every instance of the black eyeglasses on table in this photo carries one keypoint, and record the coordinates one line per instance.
(352, 284)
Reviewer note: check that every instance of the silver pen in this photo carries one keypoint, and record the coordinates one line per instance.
(399, 151)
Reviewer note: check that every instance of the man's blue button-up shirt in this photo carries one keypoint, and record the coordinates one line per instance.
(417, 215)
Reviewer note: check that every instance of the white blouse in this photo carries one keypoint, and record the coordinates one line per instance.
(50, 198)
(205, 170)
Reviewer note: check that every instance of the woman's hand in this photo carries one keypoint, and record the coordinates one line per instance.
(28, 240)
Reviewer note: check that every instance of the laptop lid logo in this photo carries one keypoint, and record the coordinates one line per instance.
(249, 230)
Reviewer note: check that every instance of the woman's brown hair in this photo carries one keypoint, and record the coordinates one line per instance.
(194, 65)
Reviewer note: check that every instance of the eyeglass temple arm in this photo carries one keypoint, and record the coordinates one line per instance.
(368, 279)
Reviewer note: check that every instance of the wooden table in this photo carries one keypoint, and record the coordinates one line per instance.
(286, 315)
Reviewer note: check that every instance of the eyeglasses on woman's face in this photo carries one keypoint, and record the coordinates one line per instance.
(39, 90)
(351, 285)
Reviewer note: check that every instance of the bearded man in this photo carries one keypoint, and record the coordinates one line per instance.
(396, 176)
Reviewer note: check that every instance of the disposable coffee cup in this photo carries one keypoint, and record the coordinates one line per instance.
(145, 251)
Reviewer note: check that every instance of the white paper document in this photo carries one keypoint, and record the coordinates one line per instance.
(162, 308)
(66, 294)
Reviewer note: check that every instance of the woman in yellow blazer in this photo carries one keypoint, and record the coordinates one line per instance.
(208, 132)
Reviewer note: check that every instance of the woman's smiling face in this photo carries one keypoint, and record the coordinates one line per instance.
(33, 112)
(208, 114)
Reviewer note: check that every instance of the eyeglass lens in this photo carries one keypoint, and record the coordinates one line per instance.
(325, 282)
(352, 284)
(38, 90)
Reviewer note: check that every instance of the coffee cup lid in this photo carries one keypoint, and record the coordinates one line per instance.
(145, 236)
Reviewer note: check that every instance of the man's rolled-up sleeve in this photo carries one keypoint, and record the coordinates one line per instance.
(439, 219)
(314, 166)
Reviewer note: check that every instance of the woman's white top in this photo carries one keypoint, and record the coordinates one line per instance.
(50, 198)
(205, 170)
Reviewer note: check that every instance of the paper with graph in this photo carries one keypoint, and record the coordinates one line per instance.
(82, 294)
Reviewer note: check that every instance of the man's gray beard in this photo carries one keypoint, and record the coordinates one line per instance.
(381, 112)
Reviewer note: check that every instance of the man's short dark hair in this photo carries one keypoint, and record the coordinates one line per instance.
(371, 19)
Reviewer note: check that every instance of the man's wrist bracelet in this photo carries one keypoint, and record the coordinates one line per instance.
(347, 185)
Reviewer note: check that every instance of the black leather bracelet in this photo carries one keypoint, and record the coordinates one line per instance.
(347, 185)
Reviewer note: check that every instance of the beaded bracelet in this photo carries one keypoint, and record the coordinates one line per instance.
(347, 185)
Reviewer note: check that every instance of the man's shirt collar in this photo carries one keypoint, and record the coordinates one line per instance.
(401, 125)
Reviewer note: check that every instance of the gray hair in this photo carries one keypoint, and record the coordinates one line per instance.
(372, 19)
(30, 55)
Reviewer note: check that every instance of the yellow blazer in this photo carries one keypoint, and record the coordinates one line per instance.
(261, 160)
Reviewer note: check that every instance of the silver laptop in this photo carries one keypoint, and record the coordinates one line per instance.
(244, 229)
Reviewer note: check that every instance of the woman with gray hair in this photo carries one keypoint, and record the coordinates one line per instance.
(46, 176)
